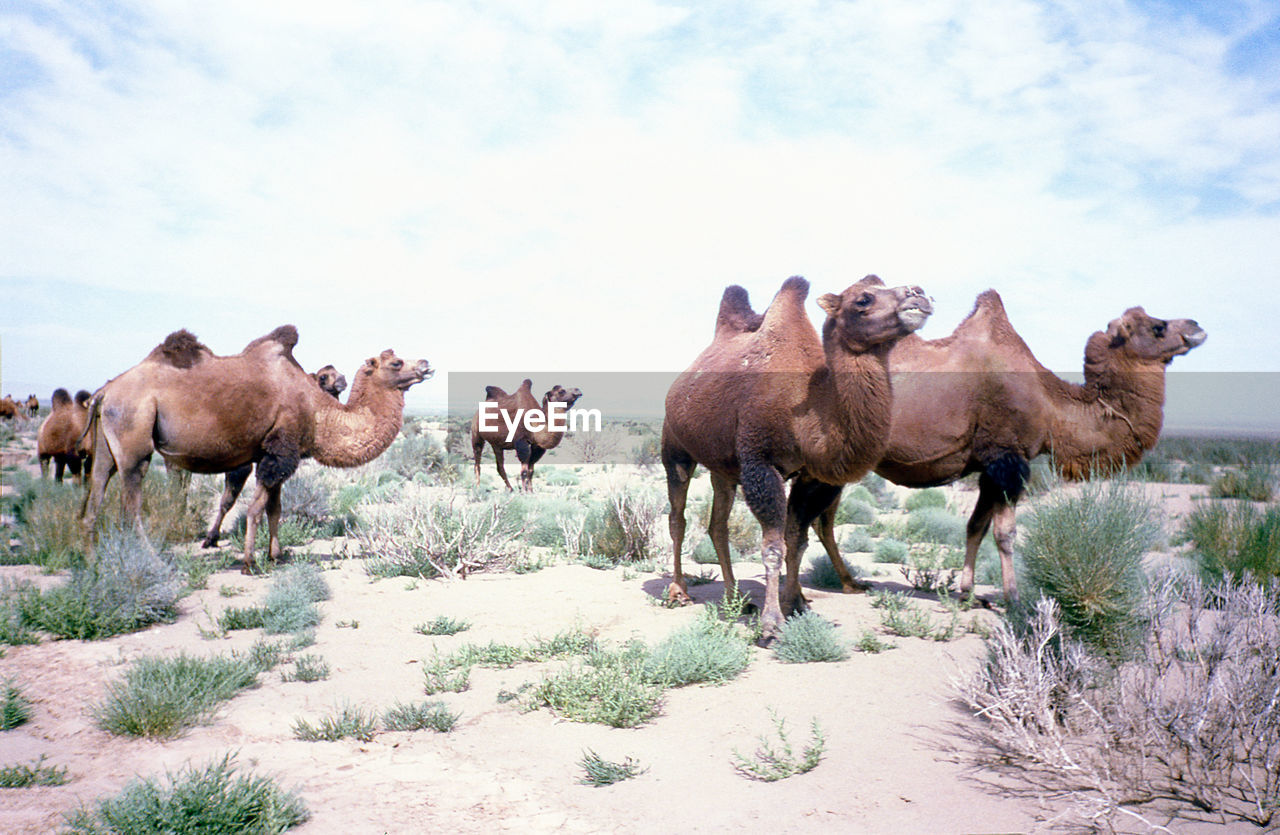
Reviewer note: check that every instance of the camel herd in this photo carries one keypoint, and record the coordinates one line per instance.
(769, 403)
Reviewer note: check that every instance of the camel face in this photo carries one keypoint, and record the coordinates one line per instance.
(869, 314)
(331, 380)
(1144, 337)
(559, 394)
(394, 373)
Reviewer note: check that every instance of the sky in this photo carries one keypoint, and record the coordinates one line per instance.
(568, 185)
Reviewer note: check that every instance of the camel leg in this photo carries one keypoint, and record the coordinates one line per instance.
(976, 529)
(233, 483)
(59, 466)
(252, 515)
(73, 467)
(679, 467)
(498, 456)
(766, 495)
(807, 501)
(526, 470)
(825, 529)
(273, 522)
(131, 494)
(44, 466)
(477, 450)
(279, 461)
(104, 466)
(724, 490)
(1006, 530)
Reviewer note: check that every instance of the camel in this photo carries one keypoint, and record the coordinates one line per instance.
(8, 407)
(522, 424)
(59, 436)
(979, 401)
(33, 405)
(214, 414)
(768, 400)
(331, 381)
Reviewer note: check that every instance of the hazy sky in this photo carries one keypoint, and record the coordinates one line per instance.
(526, 187)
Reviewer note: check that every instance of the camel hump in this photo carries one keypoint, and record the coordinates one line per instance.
(181, 349)
(736, 314)
(61, 397)
(526, 384)
(786, 311)
(286, 336)
(82, 398)
(493, 392)
(988, 300)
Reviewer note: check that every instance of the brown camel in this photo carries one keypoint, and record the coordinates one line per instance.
(33, 405)
(332, 382)
(8, 407)
(768, 400)
(60, 433)
(979, 401)
(210, 414)
(522, 424)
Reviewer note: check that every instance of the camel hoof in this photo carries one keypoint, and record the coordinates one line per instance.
(676, 594)
(856, 587)
(209, 543)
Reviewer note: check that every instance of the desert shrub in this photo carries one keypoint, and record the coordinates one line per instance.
(346, 721)
(48, 518)
(857, 539)
(900, 616)
(162, 697)
(598, 771)
(129, 586)
(709, 649)
(290, 604)
(877, 486)
(854, 511)
(443, 625)
(308, 668)
(305, 497)
(1189, 725)
(556, 477)
(1235, 539)
(928, 497)
(1254, 483)
(609, 687)
(935, 524)
(744, 530)
(822, 574)
(423, 534)
(809, 637)
(933, 568)
(213, 798)
(869, 641)
(623, 527)
(776, 761)
(36, 774)
(648, 452)
(891, 550)
(890, 527)
(442, 675)
(241, 617)
(420, 716)
(705, 553)
(411, 454)
(14, 707)
(1086, 552)
(544, 526)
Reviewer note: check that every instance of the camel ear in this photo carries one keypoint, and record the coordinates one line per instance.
(830, 303)
(1118, 330)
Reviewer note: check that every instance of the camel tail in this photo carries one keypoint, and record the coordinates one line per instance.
(736, 314)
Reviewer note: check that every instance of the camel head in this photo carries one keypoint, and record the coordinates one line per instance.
(868, 314)
(559, 394)
(391, 372)
(331, 380)
(82, 398)
(1141, 339)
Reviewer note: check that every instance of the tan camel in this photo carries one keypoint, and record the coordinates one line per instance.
(332, 382)
(979, 401)
(768, 400)
(209, 414)
(518, 421)
(58, 439)
(8, 407)
(33, 405)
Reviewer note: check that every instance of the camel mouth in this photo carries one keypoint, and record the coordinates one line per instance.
(422, 370)
(1194, 339)
(914, 315)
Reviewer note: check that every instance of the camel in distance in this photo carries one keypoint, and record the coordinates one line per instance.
(215, 414)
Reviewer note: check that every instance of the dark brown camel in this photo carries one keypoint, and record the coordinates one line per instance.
(518, 421)
(58, 439)
(210, 414)
(979, 401)
(33, 405)
(331, 381)
(768, 400)
(8, 408)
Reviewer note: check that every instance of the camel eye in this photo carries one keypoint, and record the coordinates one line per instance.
(397, 363)
(864, 300)
(1158, 330)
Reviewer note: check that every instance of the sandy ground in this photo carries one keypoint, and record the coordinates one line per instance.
(897, 758)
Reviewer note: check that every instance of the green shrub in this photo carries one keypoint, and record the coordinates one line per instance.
(769, 763)
(209, 799)
(420, 716)
(556, 477)
(891, 550)
(744, 530)
(346, 721)
(928, 497)
(290, 602)
(1086, 551)
(885, 498)
(241, 617)
(129, 586)
(601, 772)
(443, 625)
(1235, 539)
(623, 527)
(14, 707)
(822, 574)
(308, 668)
(854, 511)
(932, 568)
(1253, 483)
(48, 518)
(935, 524)
(441, 675)
(705, 553)
(809, 637)
(607, 687)
(162, 697)
(857, 539)
(708, 649)
(411, 454)
(37, 774)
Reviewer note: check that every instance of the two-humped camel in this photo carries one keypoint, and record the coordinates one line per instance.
(58, 439)
(514, 430)
(979, 401)
(33, 405)
(332, 382)
(768, 400)
(8, 407)
(210, 414)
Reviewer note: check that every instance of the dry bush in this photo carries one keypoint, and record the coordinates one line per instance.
(1189, 729)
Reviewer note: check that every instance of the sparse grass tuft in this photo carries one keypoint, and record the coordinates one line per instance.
(708, 650)
(209, 799)
(443, 625)
(1235, 539)
(601, 772)
(419, 716)
(308, 668)
(290, 602)
(609, 687)
(36, 774)
(162, 697)
(809, 637)
(346, 721)
(769, 763)
(1254, 483)
(14, 707)
(241, 617)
